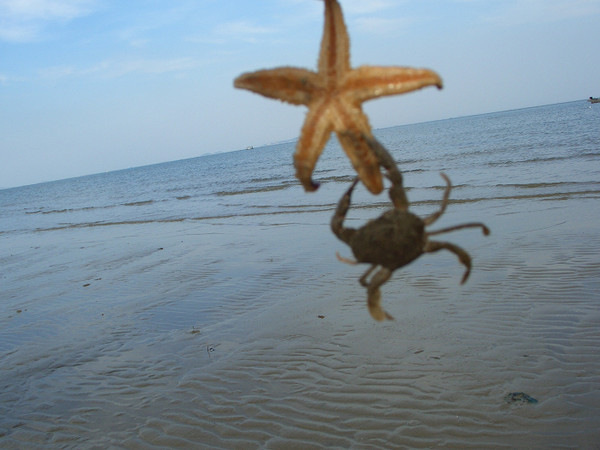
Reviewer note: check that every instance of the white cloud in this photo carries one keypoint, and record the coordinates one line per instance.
(17, 32)
(366, 7)
(380, 25)
(44, 9)
(119, 68)
(152, 66)
(373, 16)
(242, 28)
(24, 20)
(520, 12)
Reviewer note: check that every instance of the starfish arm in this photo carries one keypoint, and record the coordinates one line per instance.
(353, 132)
(364, 161)
(288, 84)
(334, 56)
(313, 137)
(368, 82)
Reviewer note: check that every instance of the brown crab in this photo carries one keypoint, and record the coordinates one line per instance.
(396, 238)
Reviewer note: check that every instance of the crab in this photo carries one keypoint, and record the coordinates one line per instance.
(396, 238)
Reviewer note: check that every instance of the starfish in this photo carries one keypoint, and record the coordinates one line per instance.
(334, 96)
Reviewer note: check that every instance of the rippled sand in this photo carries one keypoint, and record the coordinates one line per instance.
(248, 333)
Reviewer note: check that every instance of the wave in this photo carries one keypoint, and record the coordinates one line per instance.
(548, 184)
(140, 203)
(92, 208)
(254, 190)
(292, 182)
(329, 207)
(177, 219)
(67, 210)
(543, 159)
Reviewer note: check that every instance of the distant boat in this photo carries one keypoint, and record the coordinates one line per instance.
(250, 147)
(594, 100)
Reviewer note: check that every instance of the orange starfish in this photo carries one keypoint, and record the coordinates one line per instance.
(334, 96)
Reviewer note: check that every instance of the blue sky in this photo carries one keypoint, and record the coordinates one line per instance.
(89, 86)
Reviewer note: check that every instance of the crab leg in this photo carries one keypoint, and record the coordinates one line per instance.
(486, 230)
(463, 257)
(337, 221)
(374, 294)
(396, 191)
(436, 215)
(363, 280)
(350, 261)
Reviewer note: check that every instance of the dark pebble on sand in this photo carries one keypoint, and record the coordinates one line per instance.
(519, 397)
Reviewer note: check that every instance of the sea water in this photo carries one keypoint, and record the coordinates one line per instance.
(542, 152)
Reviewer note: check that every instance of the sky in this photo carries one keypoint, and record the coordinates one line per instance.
(90, 86)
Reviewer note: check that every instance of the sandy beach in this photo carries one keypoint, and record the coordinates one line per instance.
(121, 354)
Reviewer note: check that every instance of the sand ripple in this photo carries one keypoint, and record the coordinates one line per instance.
(289, 358)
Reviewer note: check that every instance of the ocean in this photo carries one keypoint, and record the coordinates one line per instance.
(199, 302)
(543, 152)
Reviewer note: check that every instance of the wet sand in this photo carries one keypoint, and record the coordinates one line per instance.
(248, 333)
